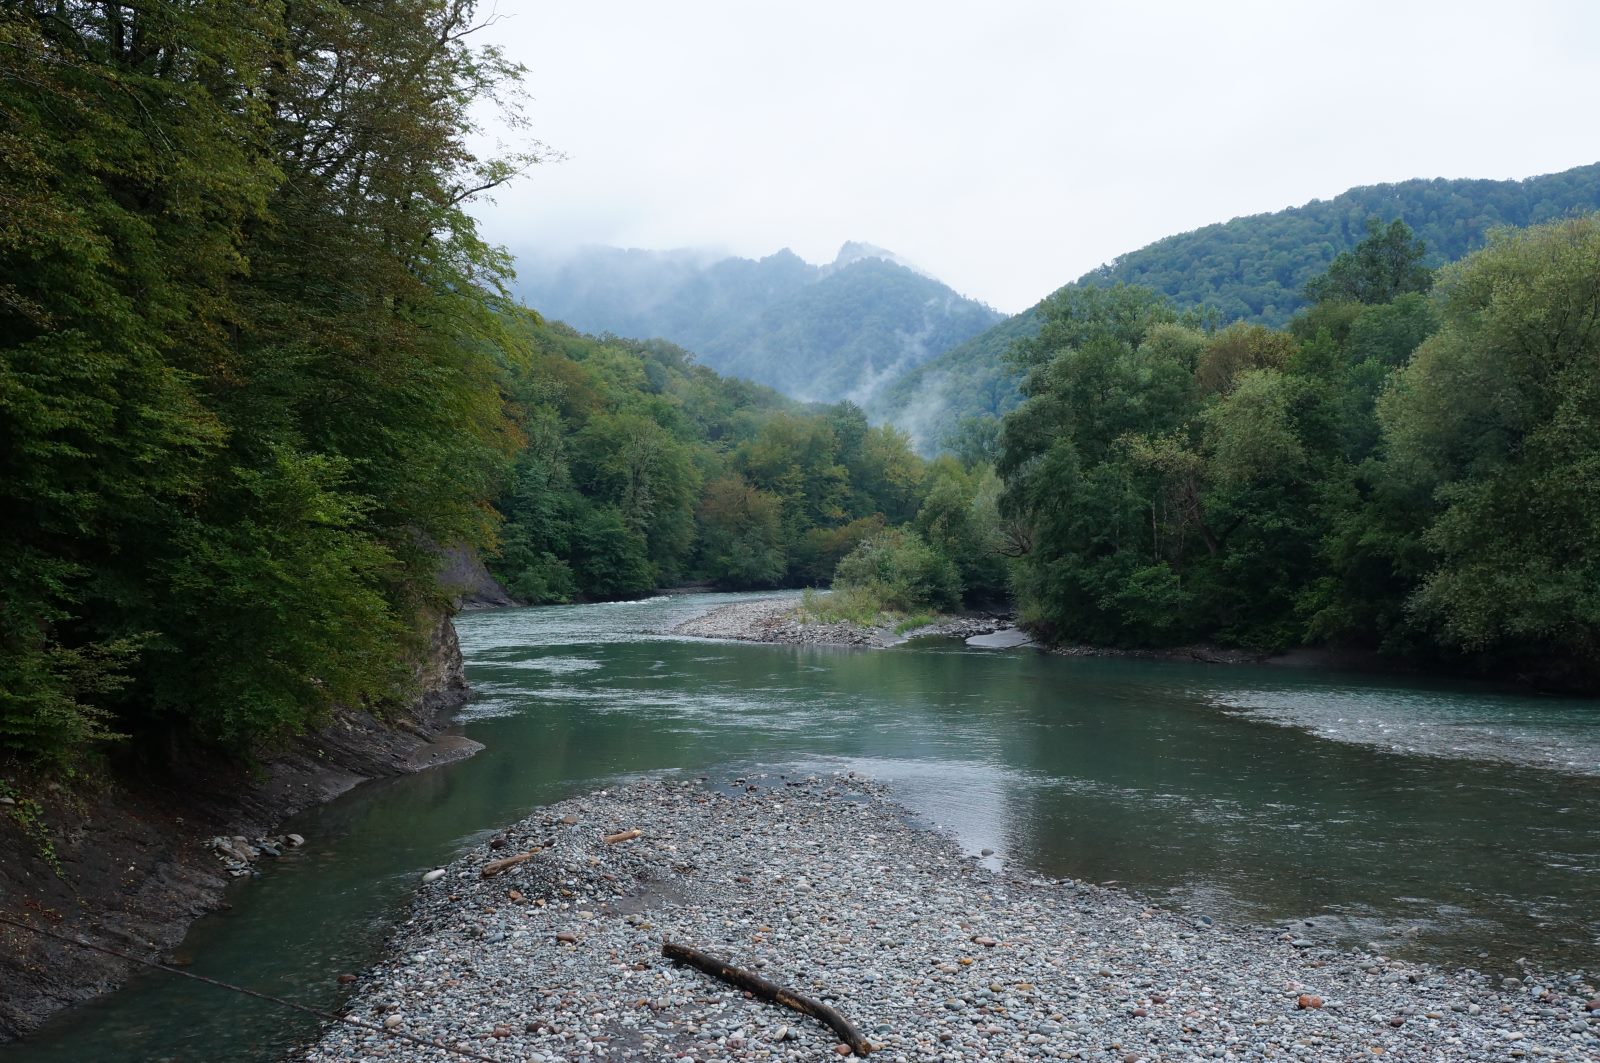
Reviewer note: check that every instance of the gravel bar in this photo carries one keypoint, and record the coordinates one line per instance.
(825, 885)
(779, 621)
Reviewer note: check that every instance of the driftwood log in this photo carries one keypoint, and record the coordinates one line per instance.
(622, 836)
(494, 867)
(757, 986)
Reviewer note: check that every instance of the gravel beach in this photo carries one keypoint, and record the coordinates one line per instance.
(779, 621)
(826, 886)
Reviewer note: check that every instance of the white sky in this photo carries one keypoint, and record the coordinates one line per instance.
(1008, 147)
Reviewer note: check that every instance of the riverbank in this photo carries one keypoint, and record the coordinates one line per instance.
(823, 885)
(138, 854)
(781, 621)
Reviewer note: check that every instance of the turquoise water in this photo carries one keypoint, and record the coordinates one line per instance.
(1450, 824)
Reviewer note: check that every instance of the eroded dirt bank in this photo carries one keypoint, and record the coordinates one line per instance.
(135, 865)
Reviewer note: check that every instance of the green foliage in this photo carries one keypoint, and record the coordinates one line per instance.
(1497, 417)
(960, 517)
(1170, 481)
(901, 572)
(640, 467)
(1252, 269)
(843, 605)
(741, 531)
(28, 815)
(1412, 474)
(1381, 268)
(246, 377)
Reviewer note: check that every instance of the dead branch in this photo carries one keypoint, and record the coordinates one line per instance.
(494, 867)
(758, 986)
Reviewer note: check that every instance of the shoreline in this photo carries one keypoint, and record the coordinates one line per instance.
(148, 851)
(777, 621)
(774, 621)
(826, 885)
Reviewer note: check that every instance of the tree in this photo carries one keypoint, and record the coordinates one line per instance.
(741, 535)
(247, 370)
(1497, 418)
(1387, 264)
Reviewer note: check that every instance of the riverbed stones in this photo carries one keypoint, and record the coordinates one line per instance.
(827, 888)
(779, 620)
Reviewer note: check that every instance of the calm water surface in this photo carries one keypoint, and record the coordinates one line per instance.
(1455, 825)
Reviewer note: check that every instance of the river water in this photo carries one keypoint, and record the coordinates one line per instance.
(1451, 824)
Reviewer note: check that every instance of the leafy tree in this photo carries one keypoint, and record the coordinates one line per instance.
(741, 536)
(960, 517)
(1384, 266)
(1496, 417)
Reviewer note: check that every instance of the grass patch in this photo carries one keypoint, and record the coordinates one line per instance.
(858, 605)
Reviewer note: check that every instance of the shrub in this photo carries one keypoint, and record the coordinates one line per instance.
(901, 571)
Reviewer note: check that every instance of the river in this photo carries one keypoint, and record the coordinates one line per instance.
(1446, 823)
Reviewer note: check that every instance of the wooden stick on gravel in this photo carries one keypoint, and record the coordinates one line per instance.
(622, 836)
(494, 867)
(758, 986)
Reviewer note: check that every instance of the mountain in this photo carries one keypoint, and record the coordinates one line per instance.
(817, 333)
(1251, 269)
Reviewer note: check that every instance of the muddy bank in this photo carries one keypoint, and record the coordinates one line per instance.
(136, 852)
(780, 620)
(824, 885)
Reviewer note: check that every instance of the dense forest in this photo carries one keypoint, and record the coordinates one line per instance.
(818, 333)
(250, 368)
(1252, 269)
(1402, 469)
(643, 469)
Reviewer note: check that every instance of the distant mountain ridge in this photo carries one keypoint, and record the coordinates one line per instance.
(1252, 269)
(815, 332)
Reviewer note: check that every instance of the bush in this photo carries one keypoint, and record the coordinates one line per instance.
(902, 572)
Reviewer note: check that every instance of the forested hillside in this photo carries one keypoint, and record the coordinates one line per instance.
(817, 333)
(643, 469)
(247, 368)
(1396, 469)
(1249, 269)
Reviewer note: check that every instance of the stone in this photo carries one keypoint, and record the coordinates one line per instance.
(433, 876)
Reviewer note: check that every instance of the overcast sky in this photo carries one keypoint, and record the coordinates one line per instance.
(1009, 147)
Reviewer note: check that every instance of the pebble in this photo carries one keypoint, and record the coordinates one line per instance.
(825, 887)
(432, 876)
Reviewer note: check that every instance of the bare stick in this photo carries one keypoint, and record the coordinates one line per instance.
(758, 986)
(622, 836)
(494, 867)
